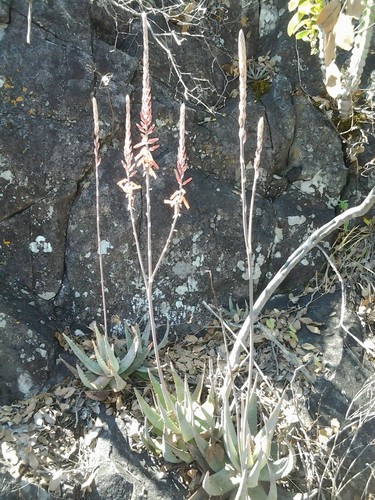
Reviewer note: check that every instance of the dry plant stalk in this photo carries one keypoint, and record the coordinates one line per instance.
(97, 206)
(312, 241)
(145, 162)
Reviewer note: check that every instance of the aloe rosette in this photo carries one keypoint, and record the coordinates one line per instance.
(109, 367)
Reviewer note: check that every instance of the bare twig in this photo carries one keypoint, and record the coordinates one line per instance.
(317, 236)
(28, 36)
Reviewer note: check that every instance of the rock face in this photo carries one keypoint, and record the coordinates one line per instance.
(48, 189)
(49, 270)
(27, 351)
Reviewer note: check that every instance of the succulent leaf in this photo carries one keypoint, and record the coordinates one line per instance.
(110, 357)
(179, 384)
(230, 436)
(106, 369)
(129, 358)
(220, 483)
(84, 379)
(89, 363)
(152, 416)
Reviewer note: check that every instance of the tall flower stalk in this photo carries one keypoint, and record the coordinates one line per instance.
(97, 205)
(247, 210)
(144, 161)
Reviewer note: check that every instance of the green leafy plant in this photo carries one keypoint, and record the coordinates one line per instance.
(303, 23)
(234, 312)
(112, 364)
(237, 455)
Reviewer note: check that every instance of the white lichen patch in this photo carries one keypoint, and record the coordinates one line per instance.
(296, 220)
(104, 247)
(47, 295)
(40, 245)
(268, 17)
(42, 352)
(50, 211)
(310, 186)
(241, 265)
(3, 322)
(278, 235)
(257, 272)
(183, 269)
(25, 383)
(198, 261)
(7, 175)
(196, 236)
(181, 290)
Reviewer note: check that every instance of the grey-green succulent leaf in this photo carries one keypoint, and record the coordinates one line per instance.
(106, 368)
(222, 482)
(89, 363)
(151, 415)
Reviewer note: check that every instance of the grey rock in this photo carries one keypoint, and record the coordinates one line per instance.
(119, 475)
(27, 351)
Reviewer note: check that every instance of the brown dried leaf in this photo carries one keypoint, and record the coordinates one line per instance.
(308, 347)
(354, 8)
(191, 338)
(313, 329)
(329, 15)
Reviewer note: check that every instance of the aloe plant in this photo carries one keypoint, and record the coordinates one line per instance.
(112, 364)
(236, 460)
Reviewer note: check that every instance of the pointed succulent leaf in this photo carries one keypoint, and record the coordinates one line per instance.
(196, 396)
(186, 428)
(110, 356)
(264, 437)
(129, 358)
(252, 412)
(254, 473)
(152, 416)
(164, 398)
(154, 445)
(168, 421)
(145, 337)
(106, 369)
(230, 436)
(89, 363)
(117, 383)
(128, 336)
(84, 379)
(246, 448)
(137, 363)
(281, 467)
(168, 452)
(179, 449)
(179, 385)
(204, 414)
(220, 483)
(99, 338)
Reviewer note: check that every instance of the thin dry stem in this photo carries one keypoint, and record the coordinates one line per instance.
(129, 186)
(29, 16)
(97, 204)
(317, 236)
